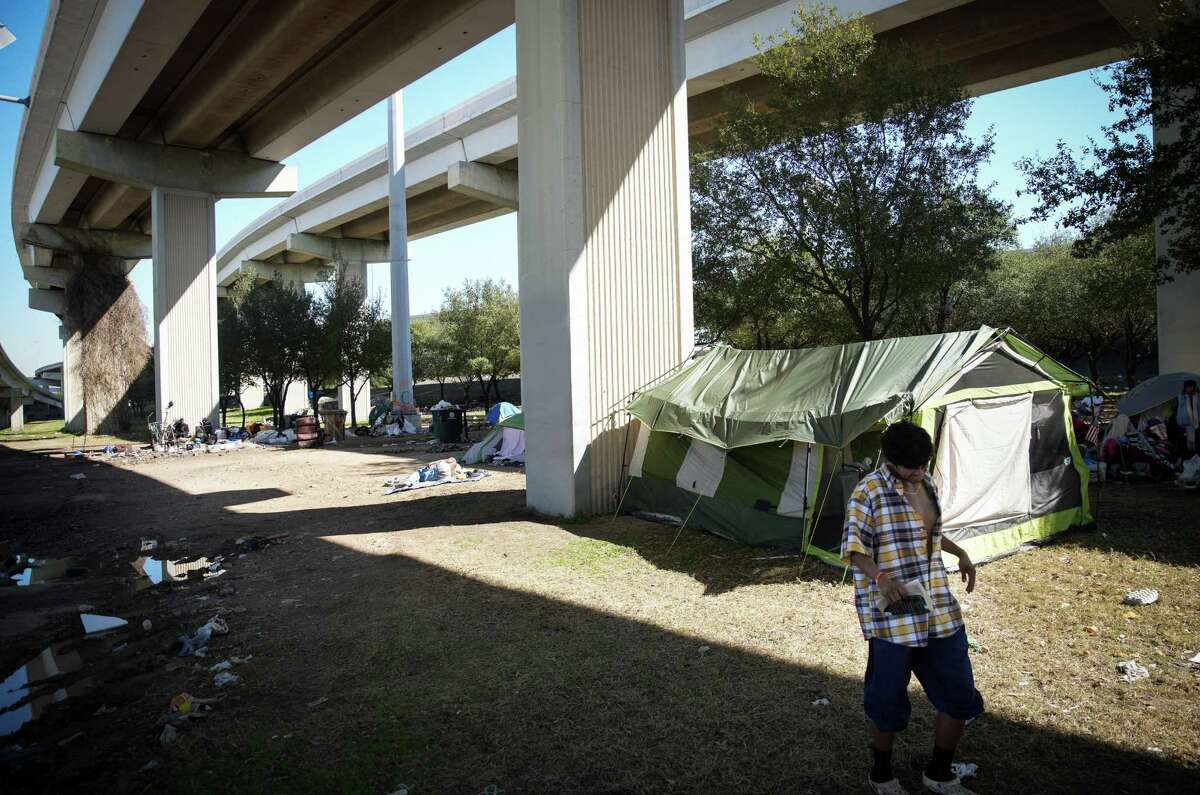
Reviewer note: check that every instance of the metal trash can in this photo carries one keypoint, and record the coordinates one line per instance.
(448, 425)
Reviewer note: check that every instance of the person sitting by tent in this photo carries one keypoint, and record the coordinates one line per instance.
(1187, 417)
(912, 622)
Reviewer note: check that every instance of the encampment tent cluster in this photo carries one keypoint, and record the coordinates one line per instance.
(764, 447)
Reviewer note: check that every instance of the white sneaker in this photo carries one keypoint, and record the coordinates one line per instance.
(892, 787)
(952, 787)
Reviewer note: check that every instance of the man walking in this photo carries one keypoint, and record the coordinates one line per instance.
(910, 619)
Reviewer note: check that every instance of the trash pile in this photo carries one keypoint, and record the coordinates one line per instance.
(393, 418)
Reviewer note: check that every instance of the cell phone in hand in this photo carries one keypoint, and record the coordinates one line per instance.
(914, 601)
(909, 605)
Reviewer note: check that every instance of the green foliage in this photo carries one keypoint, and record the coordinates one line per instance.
(355, 327)
(1073, 307)
(481, 325)
(1116, 187)
(271, 322)
(855, 185)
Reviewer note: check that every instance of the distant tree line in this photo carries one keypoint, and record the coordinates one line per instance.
(474, 339)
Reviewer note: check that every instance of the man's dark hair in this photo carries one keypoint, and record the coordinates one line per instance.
(906, 445)
(1190, 382)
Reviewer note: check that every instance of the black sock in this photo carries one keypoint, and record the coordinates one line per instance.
(881, 769)
(939, 766)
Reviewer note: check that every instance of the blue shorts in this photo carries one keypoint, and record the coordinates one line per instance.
(942, 668)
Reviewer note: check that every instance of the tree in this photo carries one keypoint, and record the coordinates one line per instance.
(318, 354)
(482, 321)
(1076, 307)
(432, 354)
(273, 317)
(234, 369)
(1117, 187)
(857, 175)
(356, 327)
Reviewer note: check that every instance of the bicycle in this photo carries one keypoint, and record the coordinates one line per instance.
(166, 434)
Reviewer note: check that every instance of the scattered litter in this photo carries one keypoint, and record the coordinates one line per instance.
(120, 648)
(1131, 671)
(252, 543)
(151, 765)
(149, 545)
(70, 739)
(78, 476)
(168, 736)
(147, 625)
(197, 643)
(705, 649)
(1154, 749)
(400, 790)
(224, 665)
(1091, 630)
(964, 769)
(93, 623)
(225, 678)
(104, 710)
(318, 702)
(1142, 596)
(973, 644)
(86, 608)
(821, 702)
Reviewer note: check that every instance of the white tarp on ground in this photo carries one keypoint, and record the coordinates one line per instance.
(982, 469)
(512, 445)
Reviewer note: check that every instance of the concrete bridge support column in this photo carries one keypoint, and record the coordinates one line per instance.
(74, 418)
(185, 304)
(402, 377)
(1178, 320)
(604, 232)
(14, 414)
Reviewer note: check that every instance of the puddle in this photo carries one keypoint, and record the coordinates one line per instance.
(44, 682)
(156, 570)
(33, 571)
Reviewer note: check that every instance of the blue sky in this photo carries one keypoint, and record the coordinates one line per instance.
(1026, 120)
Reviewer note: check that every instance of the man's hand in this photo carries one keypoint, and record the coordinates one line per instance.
(891, 589)
(967, 569)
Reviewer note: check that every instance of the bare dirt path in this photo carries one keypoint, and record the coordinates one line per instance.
(448, 640)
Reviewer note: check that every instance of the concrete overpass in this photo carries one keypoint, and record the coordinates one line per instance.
(144, 113)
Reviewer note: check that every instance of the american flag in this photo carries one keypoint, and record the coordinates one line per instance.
(1093, 432)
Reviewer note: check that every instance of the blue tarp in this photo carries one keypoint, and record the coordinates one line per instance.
(500, 412)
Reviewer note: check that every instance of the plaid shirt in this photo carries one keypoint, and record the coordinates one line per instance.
(881, 524)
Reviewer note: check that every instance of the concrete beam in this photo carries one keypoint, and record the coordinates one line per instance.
(45, 277)
(109, 243)
(215, 172)
(481, 181)
(48, 300)
(350, 250)
(300, 274)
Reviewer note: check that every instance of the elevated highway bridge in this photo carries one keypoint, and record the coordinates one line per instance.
(143, 114)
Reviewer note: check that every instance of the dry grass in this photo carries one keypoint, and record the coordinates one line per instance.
(462, 642)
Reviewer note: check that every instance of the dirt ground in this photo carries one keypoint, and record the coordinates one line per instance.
(448, 640)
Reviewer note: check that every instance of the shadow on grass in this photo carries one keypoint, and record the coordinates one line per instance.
(448, 683)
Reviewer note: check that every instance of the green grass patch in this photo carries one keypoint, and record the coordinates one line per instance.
(591, 556)
(45, 429)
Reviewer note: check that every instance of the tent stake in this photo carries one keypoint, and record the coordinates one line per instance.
(628, 483)
(821, 507)
(685, 521)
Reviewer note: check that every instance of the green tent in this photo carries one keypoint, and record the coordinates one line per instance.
(764, 447)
